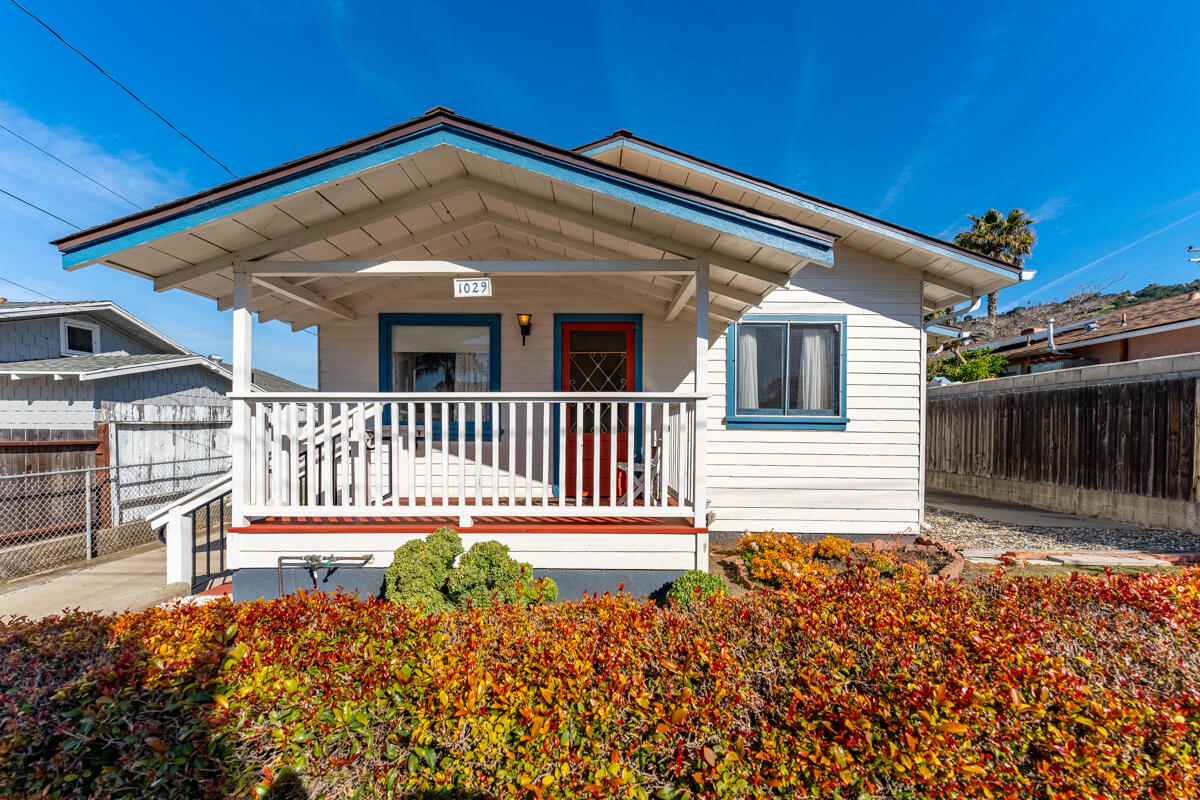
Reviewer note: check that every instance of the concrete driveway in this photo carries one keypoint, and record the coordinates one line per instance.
(126, 581)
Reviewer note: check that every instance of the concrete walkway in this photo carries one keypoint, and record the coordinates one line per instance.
(127, 581)
(1012, 514)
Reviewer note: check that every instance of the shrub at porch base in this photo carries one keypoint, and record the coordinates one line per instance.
(694, 586)
(423, 576)
(849, 687)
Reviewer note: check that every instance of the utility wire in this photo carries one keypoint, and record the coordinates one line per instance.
(39, 208)
(68, 166)
(123, 87)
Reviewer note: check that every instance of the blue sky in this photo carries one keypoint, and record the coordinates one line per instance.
(1087, 115)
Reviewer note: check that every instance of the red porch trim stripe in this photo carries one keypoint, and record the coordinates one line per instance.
(482, 525)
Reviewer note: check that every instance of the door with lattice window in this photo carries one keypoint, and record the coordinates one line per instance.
(596, 357)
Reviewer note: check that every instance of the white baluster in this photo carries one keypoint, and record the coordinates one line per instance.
(512, 454)
(546, 479)
(461, 413)
(528, 454)
(630, 436)
(378, 462)
(612, 454)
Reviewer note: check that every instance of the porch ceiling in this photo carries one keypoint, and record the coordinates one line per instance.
(447, 203)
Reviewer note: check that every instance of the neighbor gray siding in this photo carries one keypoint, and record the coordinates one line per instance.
(47, 403)
(35, 339)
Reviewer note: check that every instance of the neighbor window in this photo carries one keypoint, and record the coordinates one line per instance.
(79, 338)
(787, 371)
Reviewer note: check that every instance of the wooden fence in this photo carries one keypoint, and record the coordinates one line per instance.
(1095, 434)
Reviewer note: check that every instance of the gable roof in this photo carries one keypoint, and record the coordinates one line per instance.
(446, 188)
(1139, 320)
(105, 309)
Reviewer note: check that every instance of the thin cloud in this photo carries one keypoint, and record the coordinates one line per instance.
(34, 176)
(1050, 209)
(1107, 256)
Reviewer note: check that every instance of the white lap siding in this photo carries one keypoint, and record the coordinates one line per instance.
(865, 479)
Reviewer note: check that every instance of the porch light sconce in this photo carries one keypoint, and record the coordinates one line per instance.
(525, 321)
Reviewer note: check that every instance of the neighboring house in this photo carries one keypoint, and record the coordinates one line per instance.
(1160, 328)
(92, 373)
(649, 348)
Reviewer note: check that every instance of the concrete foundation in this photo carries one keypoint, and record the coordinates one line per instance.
(256, 584)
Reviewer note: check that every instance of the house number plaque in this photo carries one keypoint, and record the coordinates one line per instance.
(472, 287)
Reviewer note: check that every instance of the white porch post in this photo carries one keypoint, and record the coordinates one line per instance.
(700, 435)
(242, 327)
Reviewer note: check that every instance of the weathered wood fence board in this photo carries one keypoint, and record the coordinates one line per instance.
(1133, 437)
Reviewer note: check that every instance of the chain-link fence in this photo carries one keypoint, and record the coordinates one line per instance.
(52, 518)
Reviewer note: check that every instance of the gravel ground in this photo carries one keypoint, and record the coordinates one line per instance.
(966, 530)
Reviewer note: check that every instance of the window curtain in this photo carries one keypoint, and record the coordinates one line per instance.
(747, 363)
(471, 372)
(815, 371)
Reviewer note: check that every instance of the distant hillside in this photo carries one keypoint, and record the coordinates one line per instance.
(1087, 303)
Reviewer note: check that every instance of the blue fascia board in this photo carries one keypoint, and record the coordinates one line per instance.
(727, 222)
(787, 197)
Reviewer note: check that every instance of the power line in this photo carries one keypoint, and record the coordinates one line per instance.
(39, 208)
(78, 172)
(123, 87)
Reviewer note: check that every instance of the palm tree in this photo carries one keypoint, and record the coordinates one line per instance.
(1009, 238)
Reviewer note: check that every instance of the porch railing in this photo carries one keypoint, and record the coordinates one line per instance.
(468, 454)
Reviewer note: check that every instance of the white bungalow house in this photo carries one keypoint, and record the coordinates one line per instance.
(597, 356)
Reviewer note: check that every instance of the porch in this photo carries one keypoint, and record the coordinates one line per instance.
(517, 457)
(566, 438)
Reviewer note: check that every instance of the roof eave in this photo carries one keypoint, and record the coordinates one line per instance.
(816, 204)
(362, 146)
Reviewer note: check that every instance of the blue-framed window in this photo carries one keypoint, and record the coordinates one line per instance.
(786, 371)
(441, 353)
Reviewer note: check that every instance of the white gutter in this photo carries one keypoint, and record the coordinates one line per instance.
(951, 314)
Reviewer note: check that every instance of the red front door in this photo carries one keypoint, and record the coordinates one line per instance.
(596, 357)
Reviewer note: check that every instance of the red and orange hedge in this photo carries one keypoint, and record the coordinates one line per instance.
(849, 687)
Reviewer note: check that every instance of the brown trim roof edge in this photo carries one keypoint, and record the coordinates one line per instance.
(624, 135)
(434, 116)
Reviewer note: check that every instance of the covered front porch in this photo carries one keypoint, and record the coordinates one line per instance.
(471, 425)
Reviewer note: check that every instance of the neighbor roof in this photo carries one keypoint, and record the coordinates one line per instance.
(99, 367)
(91, 368)
(1123, 323)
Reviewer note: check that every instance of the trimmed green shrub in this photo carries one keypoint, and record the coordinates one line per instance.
(419, 570)
(423, 576)
(488, 576)
(695, 586)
